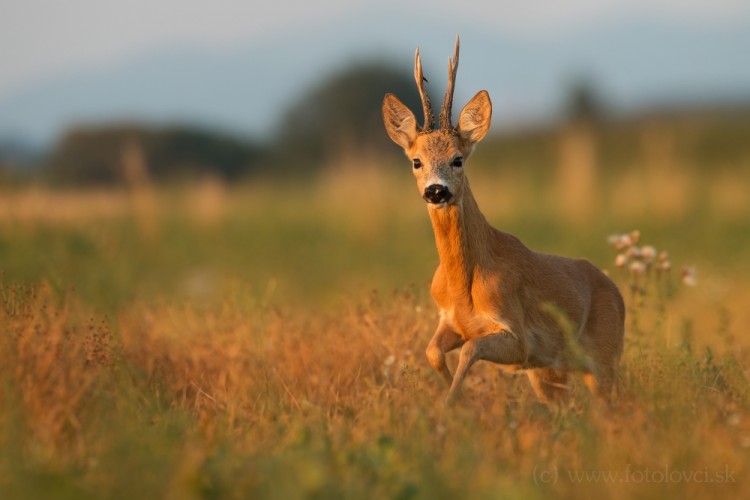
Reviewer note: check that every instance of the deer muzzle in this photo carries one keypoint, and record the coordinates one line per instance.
(437, 194)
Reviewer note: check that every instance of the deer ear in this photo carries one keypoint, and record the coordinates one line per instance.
(474, 120)
(399, 121)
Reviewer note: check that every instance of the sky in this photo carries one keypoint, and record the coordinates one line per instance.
(44, 41)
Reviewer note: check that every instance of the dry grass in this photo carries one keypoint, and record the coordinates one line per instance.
(236, 399)
(202, 374)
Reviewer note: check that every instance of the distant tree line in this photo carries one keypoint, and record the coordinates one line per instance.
(341, 111)
(95, 154)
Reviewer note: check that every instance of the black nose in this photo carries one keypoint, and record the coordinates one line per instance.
(436, 194)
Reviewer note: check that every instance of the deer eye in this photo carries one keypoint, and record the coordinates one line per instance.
(458, 162)
(417, 163)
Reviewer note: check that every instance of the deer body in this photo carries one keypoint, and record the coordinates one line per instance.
(498, 300)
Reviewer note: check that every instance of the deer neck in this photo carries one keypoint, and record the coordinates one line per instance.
(461, 236)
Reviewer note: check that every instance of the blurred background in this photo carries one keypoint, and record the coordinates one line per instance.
(239, 85)
(176, 147)
(215, 266)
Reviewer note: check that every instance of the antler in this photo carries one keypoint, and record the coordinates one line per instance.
(429, 120)
(445, 113)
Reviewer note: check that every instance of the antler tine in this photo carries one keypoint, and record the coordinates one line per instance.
(429, 120)
(445, 113)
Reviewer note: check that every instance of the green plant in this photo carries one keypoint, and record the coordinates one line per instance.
(649, 283)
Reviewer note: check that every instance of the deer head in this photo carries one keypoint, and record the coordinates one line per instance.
(438, 156)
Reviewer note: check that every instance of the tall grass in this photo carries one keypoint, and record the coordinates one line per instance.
(266, 342)
(237, 399)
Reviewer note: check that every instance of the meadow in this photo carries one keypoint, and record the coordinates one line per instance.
(265, 340)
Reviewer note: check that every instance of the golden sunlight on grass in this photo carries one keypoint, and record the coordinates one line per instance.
(247, 341)
(237, 395)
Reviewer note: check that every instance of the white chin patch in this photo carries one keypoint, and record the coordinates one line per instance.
(438, 205)
(435, 181)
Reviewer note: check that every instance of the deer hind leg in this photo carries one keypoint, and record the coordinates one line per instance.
(549, 384)
(502, 348)
(604, 380)
(603, 341)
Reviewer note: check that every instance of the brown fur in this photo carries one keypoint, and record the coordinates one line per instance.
(498, 300)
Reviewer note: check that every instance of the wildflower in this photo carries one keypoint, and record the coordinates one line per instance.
(634, 252)
(619, 241)
(634, 236)
(664, 265)
(637, 268)
(648, 253)
(621, 260)
(688, 276)
(663, 256)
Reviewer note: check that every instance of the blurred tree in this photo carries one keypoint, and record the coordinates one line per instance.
(578, 161)
(584, 102)
(341, 114)
(93, 155)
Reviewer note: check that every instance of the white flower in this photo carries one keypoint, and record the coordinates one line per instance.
(635, 236)
(688, 276)
(619, 241)
(648, 253)
(637, 268)
(621, 260)
(634, 252)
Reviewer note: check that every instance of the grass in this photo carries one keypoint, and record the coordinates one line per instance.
(266, 342)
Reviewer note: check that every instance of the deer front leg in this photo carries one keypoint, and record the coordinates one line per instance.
(503, 348)
(444, 340)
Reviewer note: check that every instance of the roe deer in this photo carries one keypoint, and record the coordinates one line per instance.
(498, 300)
